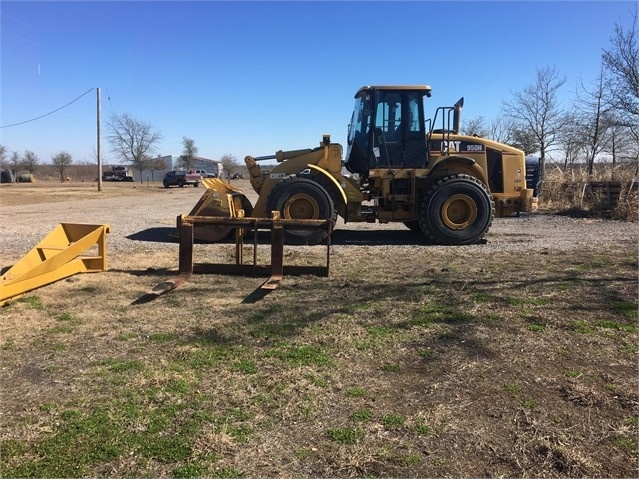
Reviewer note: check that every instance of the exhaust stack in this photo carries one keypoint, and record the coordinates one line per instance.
(457, 108)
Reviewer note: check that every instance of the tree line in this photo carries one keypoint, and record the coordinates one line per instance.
(133, 141)
(602, 120)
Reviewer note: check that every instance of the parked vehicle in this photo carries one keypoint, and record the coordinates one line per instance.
(181, 178)
(206, 174)
(533, 173)
(117, 173)
(237, 176)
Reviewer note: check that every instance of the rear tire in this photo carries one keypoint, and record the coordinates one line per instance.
(302, 199)
(457, 210)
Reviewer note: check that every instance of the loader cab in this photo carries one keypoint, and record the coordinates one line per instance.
(387, 129)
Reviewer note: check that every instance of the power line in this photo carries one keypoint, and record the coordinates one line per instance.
(50, 113)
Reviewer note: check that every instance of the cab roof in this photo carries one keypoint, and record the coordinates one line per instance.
(425, 88)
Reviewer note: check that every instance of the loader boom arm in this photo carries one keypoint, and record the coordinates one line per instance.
(327, 156)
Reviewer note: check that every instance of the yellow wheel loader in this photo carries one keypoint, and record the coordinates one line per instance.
(400, 168)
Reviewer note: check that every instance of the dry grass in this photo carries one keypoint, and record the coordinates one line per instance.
(566, 191)
(408, 361)
(42, 191)
(420, 362)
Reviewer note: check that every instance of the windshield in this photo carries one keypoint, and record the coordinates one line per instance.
(356, 154)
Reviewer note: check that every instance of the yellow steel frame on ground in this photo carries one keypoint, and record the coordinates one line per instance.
(62, 253)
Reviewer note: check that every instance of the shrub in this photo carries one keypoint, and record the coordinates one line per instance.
(570, 191)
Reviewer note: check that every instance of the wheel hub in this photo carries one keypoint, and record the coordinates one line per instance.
(301, 207)
(459, 212)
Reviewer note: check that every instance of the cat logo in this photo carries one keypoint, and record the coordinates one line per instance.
(449, 146)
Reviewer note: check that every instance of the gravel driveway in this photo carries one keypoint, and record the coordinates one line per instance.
(141, 223)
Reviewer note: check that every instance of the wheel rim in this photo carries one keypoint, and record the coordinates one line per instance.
(302, 207)
(459, 212)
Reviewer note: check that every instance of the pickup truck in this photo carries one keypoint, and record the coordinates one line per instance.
(181, 178)
(206, 174)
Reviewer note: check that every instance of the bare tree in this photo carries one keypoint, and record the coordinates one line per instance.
(93, 154)
(158, 163)
(15, 162)
(61, 161)
(4, 165)
(524, 139)
(134, 141)
(621, 62)
(536, 110)
(189, 152)
(623, 144)
(29, 161)
(3, 157)
(571, 141)
(501, 130)
(229, 165)
(498, 129)
(475, 126)
(594, 118)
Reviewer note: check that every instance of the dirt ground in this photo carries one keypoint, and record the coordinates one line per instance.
(512, 358)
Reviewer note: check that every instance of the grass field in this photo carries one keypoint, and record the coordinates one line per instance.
(409, 362)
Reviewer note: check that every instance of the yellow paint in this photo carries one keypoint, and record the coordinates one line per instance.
(69, 249)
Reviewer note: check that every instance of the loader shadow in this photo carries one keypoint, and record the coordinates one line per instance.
(338, 237)
(342, 237)
(353, 237)
(150, 271)
(166, 234)
(252, 298)
(146, 273)
(155, 235)
(401, 237)
(383, 238)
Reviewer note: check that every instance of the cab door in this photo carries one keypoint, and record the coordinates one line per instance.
(399, 132)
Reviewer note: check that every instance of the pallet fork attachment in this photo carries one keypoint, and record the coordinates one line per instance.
(69, 249)
(276, 270)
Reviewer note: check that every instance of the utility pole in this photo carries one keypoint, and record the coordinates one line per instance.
(99, 145)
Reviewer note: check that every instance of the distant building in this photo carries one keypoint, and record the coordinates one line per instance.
(210, 166)
(172, 161)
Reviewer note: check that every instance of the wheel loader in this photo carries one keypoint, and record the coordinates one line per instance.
(399, 167)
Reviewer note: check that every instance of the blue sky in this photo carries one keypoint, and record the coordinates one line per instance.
(246, 77)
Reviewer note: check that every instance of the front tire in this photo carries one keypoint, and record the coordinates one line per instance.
(332, 191)
(457, 210)
(302, 199)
